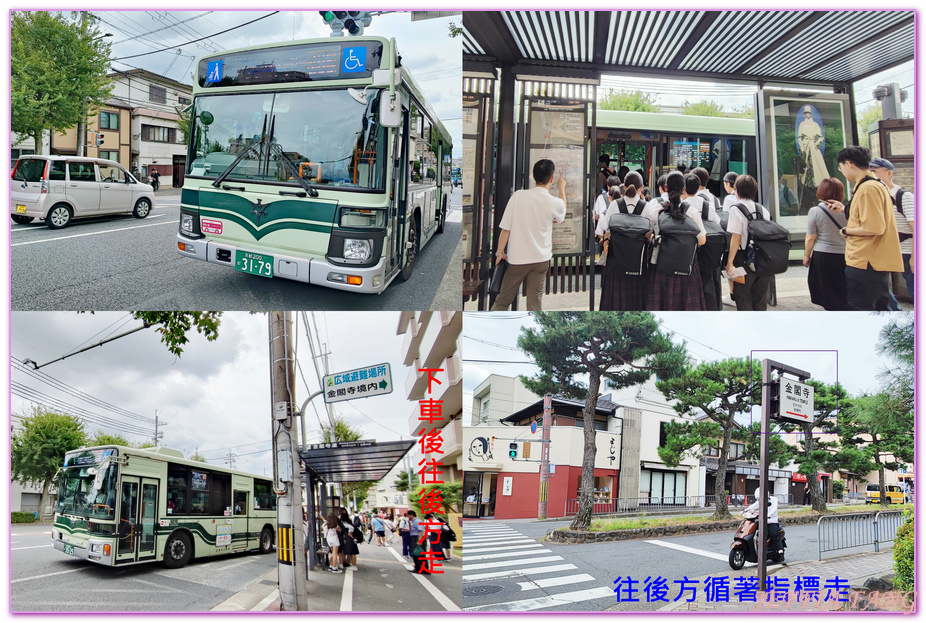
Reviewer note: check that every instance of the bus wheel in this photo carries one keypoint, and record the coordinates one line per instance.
(411, 253)
(266, 541)
(178, 551)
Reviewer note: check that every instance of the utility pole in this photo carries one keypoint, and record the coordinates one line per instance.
(545, 456)
(157, 435)
(82, 122)
(231, 460)
(288, 486)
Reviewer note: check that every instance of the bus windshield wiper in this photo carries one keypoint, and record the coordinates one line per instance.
(235, 162)
(278, 151)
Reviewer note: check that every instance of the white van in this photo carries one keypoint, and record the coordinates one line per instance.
(58, 189)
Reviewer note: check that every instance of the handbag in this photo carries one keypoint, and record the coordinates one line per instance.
(603, 257)
(498, 275)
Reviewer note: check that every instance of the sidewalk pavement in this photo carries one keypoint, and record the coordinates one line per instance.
(382, 581)
(855, 569)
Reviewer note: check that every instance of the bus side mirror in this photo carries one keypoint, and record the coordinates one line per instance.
(390, 110)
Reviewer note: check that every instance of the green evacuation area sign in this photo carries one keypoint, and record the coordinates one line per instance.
(360, 383)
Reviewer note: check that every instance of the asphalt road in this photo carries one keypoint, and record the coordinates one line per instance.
(44, 579)
(119, 263)
(508, 567)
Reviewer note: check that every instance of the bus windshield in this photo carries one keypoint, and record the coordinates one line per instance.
(325, 136)
(86, 491)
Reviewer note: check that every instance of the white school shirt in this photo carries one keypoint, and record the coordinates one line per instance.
(904, 220)
(653, 208)
(602, 203)
(712, 215)
(737, 224)
(529, 217)
(613, 209)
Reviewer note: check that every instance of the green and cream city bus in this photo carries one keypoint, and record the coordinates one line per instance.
(318, 161)
(121, 506)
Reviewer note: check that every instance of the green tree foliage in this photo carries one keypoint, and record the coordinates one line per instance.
(865, 117)
(174, 326)
(401, 481)
(904, 555)
(897, 341)
(621, 348)
(343, 431)
(58, 72)
(197, 456)
(619, 99)
(455, 30)
(38, 448)
(779, 452)
(100, 438)
(717, 391)
(450, 492)
(879, 426)
(746, 111)
(703, 108)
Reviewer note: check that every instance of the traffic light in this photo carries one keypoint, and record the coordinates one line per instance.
(99, 139)
(774, 398)
(356, 20)
(335, 19)
(513, 450)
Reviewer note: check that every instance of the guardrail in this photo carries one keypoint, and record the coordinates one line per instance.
(613, 506)
(837, 532)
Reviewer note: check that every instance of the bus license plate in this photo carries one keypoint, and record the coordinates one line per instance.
(254, 263)
(20, 209)
(69, 549)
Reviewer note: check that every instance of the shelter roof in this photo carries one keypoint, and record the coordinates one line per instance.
(768, 46)
(353, 461)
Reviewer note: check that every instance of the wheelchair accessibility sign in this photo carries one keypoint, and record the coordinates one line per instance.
(214, 71)
(354, 60)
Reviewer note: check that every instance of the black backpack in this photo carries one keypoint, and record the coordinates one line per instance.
(711, 254)
(675, 244)
(628, 239)
(767, 244)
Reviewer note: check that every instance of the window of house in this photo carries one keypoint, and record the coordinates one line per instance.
(109, 121)
(157, 94)
(184, 101)
(110, 155)
(158, 134)
(737, 450)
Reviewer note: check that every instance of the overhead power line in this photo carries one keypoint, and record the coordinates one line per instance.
(200, 39)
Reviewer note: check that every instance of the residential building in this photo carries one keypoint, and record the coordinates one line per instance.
(432, 343)
(496, 397)
(112, 122)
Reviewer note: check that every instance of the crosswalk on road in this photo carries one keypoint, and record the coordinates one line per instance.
(522, 573)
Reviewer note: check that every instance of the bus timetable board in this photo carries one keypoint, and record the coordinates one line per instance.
(295, 63)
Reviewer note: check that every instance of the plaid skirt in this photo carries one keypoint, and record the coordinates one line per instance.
(620, 292)
(675, 292)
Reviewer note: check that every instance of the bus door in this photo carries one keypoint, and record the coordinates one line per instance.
(137, 520)
(398, 207)
(240, 511)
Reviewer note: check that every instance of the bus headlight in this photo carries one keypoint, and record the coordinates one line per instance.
(96, 548)
(186, 224)
(357, 249)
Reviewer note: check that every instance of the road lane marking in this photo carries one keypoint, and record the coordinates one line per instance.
(529, 571)
(531, 585)
(48, 575)
(95, 233)
(548, 601)
(347, 590)
(691, 550)
(31, 547)
(466, 558)
(495, 549)
(442, 599)
(509, 563)
(494, 539)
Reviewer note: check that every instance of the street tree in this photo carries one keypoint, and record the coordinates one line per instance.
(449, 498)
(814, 452)
(619, 99)
(621, 348)
(866, 116)
(897, 341)
(714, 392)
(174, 327)
(882, 425)
(344, 431)
(100, 438)
(401, 481)
(58, 72)
(38, 448)
(703, 108)
(196, 455)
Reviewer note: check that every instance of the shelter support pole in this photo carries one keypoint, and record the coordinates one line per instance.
(506, 142)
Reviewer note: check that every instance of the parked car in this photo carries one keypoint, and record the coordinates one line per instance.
(58, 189)
(894, 494)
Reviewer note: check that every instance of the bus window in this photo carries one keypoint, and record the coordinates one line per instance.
(264, 497)
(241, 502)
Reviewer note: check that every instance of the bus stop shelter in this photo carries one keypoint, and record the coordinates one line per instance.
(343, 461)
(520, 63)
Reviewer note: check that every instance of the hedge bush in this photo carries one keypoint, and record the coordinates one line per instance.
(903, 555)
(20, 517)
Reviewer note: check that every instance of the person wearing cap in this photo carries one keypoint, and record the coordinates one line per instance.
(809, 140)
(903, 215)
(872, 243)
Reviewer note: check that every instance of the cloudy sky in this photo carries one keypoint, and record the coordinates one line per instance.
(216, 396)
(829, 345)
(427, 50)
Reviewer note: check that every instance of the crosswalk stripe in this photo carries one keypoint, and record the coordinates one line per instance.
(500, 539)
(476, 535)
(495, 549)
(546, 602)
(466, 558)
(508, 563)
(557, 581)
(510, 572)
(690, 550)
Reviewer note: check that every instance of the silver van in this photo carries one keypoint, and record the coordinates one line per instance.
(58, 189)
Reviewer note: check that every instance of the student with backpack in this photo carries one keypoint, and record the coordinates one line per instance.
(711, 254)
(753, 295)
(675, 282)
(825, 249)
(626, 232)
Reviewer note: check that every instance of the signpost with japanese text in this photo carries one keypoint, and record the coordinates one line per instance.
(360, 383)
(796, 402)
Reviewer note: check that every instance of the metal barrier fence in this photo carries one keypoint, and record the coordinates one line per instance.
(613, 506)
(856, 530)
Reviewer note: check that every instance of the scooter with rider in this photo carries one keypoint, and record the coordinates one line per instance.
(743, 549)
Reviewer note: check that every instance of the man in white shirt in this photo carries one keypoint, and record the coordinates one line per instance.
(903, 214)
(526, 240)
(773, 526)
